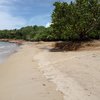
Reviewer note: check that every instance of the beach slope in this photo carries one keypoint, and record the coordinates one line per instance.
(20, 78)
(36, 73)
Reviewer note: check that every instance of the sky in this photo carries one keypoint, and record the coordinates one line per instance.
(21, 13)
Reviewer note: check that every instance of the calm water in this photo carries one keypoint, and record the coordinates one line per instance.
(7, 49)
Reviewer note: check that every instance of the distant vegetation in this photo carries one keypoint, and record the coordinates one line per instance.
(79, 20)
(29, 33)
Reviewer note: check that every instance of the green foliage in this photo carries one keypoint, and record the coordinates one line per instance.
(45, 35)
(30, 33)
(78, 20)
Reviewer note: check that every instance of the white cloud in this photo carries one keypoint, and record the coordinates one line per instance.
(8, 21)
(6, 2)
(39, 20)
(48, 24)
(3, 1)
(10, 9)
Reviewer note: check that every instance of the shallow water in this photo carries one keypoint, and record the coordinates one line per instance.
(7, 49)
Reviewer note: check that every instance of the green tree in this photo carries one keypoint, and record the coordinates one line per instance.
(77, 20)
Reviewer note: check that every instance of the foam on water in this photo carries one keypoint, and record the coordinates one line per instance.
(7, 49)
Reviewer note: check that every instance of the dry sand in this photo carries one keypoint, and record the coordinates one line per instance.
(76, 74)
(34, 73)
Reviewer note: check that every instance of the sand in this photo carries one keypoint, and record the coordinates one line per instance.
(76, 74)
(20, 78)
(35, 73)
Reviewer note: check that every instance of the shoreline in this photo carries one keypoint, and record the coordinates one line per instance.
(19, 42)
(7, 49)
(20, 78)
(60, 45)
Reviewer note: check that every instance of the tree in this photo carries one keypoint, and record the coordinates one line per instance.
(77, 20)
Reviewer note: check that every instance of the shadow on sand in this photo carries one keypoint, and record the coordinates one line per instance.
(66, 46)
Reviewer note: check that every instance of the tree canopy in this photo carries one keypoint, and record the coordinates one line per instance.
(79, 20)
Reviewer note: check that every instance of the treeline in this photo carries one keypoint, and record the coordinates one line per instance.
(30, 33)
(79, 20)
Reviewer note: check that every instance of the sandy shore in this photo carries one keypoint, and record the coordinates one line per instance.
(76, 74)
(20, 78)
(19, 42)
(35, 73)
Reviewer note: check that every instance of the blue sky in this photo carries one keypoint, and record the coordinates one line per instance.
(19, 13)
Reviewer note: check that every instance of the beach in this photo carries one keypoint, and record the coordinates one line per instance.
(6, 49)
(20, 78)
(36, 73)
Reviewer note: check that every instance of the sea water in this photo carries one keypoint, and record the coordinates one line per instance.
(6, 49)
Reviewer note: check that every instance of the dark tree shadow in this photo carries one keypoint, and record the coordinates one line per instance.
(66, 46)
